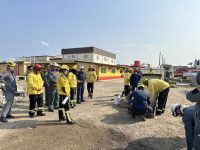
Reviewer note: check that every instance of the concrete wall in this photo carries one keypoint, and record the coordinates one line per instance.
(89, 57)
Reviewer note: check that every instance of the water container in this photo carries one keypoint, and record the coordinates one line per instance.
(137, 63)
(116, 99)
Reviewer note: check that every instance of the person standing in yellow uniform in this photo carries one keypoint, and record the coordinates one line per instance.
(91, 77)
(35, 91)
(126, 77)
(158, 88)
(63, 89)
(72, 77)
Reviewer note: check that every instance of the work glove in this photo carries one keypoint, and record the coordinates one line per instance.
(63, 89)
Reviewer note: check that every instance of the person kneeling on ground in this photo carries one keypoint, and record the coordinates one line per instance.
(139, 100)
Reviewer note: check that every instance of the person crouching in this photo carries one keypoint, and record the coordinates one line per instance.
(140, 103)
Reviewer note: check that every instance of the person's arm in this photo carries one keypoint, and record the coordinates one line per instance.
(51, 78)
(194, 95)
(95, 76)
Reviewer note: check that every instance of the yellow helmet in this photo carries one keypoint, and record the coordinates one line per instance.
(141, 85)
(144, 81)
(75, 67)
(11, 64)
(64, 67)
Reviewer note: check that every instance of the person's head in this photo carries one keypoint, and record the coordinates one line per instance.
(82, 68)
(136, 69)
(64, 69)
(150, 69)
(91, 68)
(177, 110)
(54, 66)
(74, 67)
(145, 82)
(37, 68)
(141, 87)
(11, 65)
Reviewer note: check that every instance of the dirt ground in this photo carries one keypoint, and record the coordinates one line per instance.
(99, 125)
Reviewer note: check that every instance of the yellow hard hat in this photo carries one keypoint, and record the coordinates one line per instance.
(64, 67)
(11, 64)
(141, 85)
(144, 81)
(75, 67)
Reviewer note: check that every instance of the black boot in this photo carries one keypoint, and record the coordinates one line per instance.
(40, 113)
(9, 116)
(3, 119)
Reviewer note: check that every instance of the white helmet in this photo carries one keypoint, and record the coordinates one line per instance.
(82, 67)
(55, 64)
(177, 109)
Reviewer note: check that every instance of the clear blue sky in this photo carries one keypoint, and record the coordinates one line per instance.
(134, 29)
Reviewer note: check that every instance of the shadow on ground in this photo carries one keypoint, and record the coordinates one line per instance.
(152, 143)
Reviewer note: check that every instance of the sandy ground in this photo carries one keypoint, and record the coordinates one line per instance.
(99, 125)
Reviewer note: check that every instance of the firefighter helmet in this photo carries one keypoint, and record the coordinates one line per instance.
(64, 67)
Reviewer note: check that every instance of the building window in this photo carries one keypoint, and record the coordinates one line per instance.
(103, 70)
(85, 56)
(97, 57)
(73, 56)
(113, 70)
(105, 59)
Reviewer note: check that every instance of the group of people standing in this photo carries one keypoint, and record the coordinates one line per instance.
(63, 86)
(143, 101)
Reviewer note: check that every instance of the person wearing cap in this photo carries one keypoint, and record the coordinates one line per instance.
(35, 91)
(194, 96)
(158, 88)
(140, 103)
(91, 77)
(63, 88)
(81, 78)
(72, 77)
(188, 119)
(52, 90)
(10, 89)
(135, 79)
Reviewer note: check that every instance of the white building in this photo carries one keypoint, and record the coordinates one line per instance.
(89, 54)
(35, 59)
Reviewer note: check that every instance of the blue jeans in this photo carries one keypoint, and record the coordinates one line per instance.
(53, 98)
(7, 107)
(80, 92)
(197, 126)
(188, 119)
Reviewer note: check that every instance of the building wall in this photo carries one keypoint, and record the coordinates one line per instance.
(89, 57)
(108, 72)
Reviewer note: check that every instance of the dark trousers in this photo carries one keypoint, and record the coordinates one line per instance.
(127, 90)
(90, 88)
(53, 98)
(162, 99)
(72, 96)
(47, 96)
(80, 92)
(36, 99)
(63, 110)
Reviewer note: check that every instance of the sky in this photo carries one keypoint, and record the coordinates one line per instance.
(133, 29)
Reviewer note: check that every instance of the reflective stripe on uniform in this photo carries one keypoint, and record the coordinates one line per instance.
(160, 110)
(68, 116)
(40, 108)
